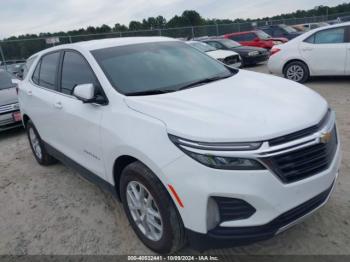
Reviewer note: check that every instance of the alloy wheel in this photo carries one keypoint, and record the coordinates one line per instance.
(144, 210)
(295, 73)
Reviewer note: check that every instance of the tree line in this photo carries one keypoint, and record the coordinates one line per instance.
(22, 49)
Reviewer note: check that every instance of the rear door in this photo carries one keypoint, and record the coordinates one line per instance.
(38, 96)
(326, 51)
(77, 125)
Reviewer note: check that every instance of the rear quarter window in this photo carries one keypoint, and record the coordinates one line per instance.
(45, 74)
(28, 65)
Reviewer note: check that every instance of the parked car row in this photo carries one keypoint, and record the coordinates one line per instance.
(255, 38)
(324, 50)
(228, 57)
(15, 67)
(250, 55)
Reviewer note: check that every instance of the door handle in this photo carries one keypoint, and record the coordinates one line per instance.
(58, 105)
(29, 92)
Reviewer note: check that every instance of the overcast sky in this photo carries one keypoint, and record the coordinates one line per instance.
(35, 16)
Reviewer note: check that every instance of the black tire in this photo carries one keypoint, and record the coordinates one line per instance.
(173, 237)
(45, 159)
(302, 73)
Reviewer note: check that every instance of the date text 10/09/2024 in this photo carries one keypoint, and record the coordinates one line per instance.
(173, 258)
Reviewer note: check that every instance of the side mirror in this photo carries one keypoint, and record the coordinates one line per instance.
(85, 93)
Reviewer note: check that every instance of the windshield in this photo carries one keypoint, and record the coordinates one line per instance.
(165, 66)
(5, 80)
(202, 46)
(289, 29)
(262, 35)
(229, 43)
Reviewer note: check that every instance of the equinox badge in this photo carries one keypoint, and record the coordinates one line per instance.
(325, 137)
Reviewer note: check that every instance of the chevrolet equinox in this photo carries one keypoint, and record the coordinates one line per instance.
(196, 151)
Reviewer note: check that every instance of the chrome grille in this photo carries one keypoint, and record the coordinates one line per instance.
(304, 162)
(9, 108)
(6, 122)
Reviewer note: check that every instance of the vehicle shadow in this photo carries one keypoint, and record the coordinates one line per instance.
(11, 133)
(329, 79)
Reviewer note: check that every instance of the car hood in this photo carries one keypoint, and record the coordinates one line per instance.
(247, 49)
(221, 53)
(8, 96)
(245, 107)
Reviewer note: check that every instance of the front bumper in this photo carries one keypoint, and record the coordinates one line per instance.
(8, 121)
(249, 60)
(236, 236)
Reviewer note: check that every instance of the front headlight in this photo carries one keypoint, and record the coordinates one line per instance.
(253, 53)
(215, 161)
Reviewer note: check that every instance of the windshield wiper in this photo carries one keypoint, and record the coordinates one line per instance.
(193, 84)
(149, 92)
(204, 81)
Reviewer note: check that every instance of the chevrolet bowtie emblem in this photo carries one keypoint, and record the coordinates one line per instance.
(325, 137)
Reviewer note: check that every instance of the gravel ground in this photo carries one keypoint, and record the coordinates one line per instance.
(51, 210)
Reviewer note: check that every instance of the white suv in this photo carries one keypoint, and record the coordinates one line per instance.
(195, 150)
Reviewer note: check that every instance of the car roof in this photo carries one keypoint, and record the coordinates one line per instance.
(105, 43)
(335, 25)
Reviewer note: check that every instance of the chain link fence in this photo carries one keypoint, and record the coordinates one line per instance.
(23, 48)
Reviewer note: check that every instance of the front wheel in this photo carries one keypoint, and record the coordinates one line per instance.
(150, 210)
(297, 71)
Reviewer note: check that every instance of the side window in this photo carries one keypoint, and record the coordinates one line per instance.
(35, 77)
(75, 71)
(27, 66)
(249, 37)
(310, 39)
(48, 70)
(278, 32)
(268, 31)
(237, 38)
(330, 36)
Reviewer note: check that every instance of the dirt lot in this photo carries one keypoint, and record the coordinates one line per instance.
(53, 211)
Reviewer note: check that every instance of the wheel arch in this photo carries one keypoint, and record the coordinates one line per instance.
(26, 118)
(119, 164)
(122, 162)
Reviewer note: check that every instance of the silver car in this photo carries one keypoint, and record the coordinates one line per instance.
(10, 116)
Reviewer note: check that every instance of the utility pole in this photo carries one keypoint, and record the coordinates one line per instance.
(3, 57)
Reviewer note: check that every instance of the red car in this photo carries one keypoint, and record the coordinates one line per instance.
(256, 38)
